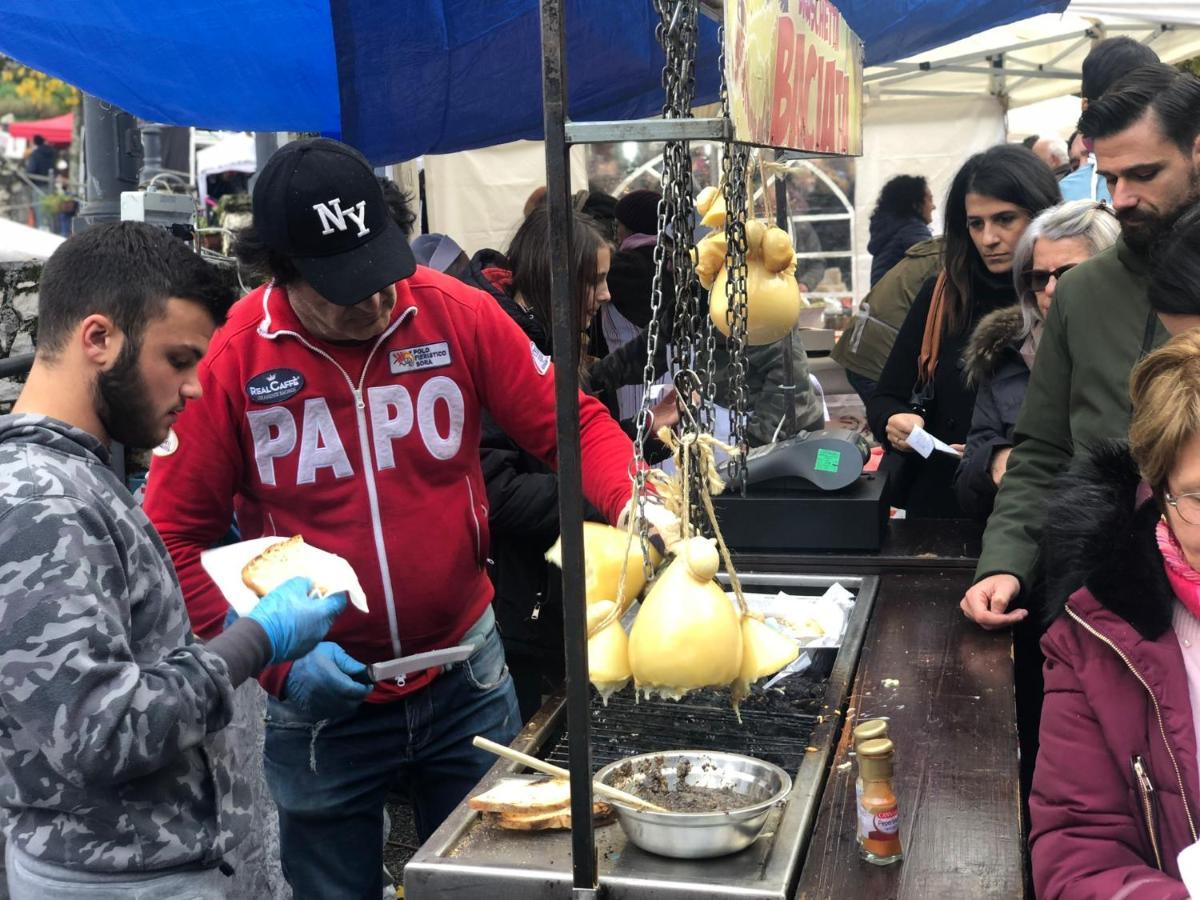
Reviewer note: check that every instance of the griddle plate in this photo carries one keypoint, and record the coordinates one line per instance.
(776, 724)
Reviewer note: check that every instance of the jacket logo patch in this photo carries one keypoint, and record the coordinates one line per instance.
(274, 386)
(541, 361)
(412, 359)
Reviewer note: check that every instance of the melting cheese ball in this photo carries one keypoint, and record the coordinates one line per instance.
(687, 635)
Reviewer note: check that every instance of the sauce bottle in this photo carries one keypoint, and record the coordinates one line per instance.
(878, 811)
(869, 730)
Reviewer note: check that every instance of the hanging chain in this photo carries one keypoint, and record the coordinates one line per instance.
(677, 35)
(735, 162)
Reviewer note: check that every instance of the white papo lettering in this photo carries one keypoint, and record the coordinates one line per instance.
(392, 416)
(435, 389)
(320, 444)
(384, 425)
(274, 433)
(336, 217)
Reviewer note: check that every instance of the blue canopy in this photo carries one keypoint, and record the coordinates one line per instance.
(404, 77)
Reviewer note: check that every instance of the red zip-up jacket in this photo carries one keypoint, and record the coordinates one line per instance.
(371, 451)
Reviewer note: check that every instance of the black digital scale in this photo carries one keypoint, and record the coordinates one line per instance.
(808, 492)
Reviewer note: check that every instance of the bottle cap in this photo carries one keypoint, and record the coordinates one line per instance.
(870, 730)
(875, 758)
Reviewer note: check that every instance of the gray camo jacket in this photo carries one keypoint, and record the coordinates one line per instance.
(110, 710)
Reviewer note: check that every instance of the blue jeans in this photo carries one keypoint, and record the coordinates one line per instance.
(330, 779)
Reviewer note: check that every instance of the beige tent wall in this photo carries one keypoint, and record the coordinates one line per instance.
(918, 137)
(477, 196)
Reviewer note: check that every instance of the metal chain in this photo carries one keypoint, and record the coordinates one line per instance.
(677, 35)
(735, 163)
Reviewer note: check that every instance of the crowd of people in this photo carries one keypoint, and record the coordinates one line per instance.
(1048, 341)
(401, 415)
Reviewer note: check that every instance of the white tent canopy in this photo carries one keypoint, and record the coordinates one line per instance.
(1036, 58)
(926, 114)
(234, 153)
(20, 243)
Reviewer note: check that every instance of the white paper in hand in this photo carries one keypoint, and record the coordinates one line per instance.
(224, 566)
(1189, 868)
(925, 443)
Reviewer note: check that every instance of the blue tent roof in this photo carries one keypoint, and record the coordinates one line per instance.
(406, 77)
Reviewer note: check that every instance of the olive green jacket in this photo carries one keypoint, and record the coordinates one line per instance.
(1098, 327)
(864, 347)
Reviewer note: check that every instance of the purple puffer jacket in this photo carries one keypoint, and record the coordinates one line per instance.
(1116, 790)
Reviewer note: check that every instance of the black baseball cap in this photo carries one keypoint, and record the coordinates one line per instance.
(318, 202)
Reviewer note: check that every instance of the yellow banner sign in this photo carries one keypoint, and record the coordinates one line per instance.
(794, 73)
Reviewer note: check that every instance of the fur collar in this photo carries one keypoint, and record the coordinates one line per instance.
(1098, 537)
(994, 337)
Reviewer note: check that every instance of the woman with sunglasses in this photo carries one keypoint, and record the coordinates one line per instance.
(1116, 789)
(993, 198)
(1000, 353)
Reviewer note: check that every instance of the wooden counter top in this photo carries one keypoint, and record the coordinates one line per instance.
(947, 688)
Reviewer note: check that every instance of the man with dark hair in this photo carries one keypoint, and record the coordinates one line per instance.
(344, 401)
(117, 780)
(40, 162)
(1146, 134)
(1107, 62)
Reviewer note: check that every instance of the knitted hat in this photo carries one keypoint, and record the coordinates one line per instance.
(638, 211)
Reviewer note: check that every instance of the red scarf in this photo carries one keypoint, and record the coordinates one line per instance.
(1185, 581)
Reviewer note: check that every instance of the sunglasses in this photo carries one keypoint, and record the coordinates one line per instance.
(1036, 280)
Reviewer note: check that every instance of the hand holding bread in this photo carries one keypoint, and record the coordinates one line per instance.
(294, 619)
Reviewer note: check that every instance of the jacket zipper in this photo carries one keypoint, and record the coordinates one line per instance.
(1141, 774)
(1162, 728)
(364, 446)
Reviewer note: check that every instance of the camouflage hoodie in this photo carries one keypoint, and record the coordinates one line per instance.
(110, 710)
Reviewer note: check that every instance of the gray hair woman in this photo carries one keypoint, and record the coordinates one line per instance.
(1000, 353)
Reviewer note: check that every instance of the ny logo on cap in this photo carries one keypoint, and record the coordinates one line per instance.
(336, 217)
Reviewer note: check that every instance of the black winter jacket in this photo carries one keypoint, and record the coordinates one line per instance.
(925, 488)
(998, 372)
(891, 236)
(522, 516)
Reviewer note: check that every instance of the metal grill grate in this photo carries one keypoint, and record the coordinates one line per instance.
(776, 724)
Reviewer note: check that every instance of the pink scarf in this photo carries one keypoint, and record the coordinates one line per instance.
(1185, 581)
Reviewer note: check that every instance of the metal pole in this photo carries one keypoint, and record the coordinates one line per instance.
(265, 144)
(152, 163)
(112, 159)
(789, 368)
(566, 329)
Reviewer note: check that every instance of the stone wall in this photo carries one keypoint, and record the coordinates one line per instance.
(18, 319)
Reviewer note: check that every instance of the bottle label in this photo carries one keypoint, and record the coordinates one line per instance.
(883, 825)
(858, 788)
(886, 824)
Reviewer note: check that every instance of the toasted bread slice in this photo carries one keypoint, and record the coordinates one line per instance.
(524, 797)
(602, 814)
(287, 559)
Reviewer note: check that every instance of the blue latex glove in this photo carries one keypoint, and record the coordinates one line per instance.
(322, 686)
(295, 621)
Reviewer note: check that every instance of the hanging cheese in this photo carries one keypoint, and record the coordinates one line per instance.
(608, 651)
(604, 548)
(687, 634)
(764, 652)
(773, 300)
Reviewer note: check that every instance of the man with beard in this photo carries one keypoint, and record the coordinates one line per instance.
(117, 783)
(344, 400)
(1145, 136)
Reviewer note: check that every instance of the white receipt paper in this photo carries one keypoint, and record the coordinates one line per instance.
(1189, 868)
(925, 443)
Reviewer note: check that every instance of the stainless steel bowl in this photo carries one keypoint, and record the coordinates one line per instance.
(702, 834)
